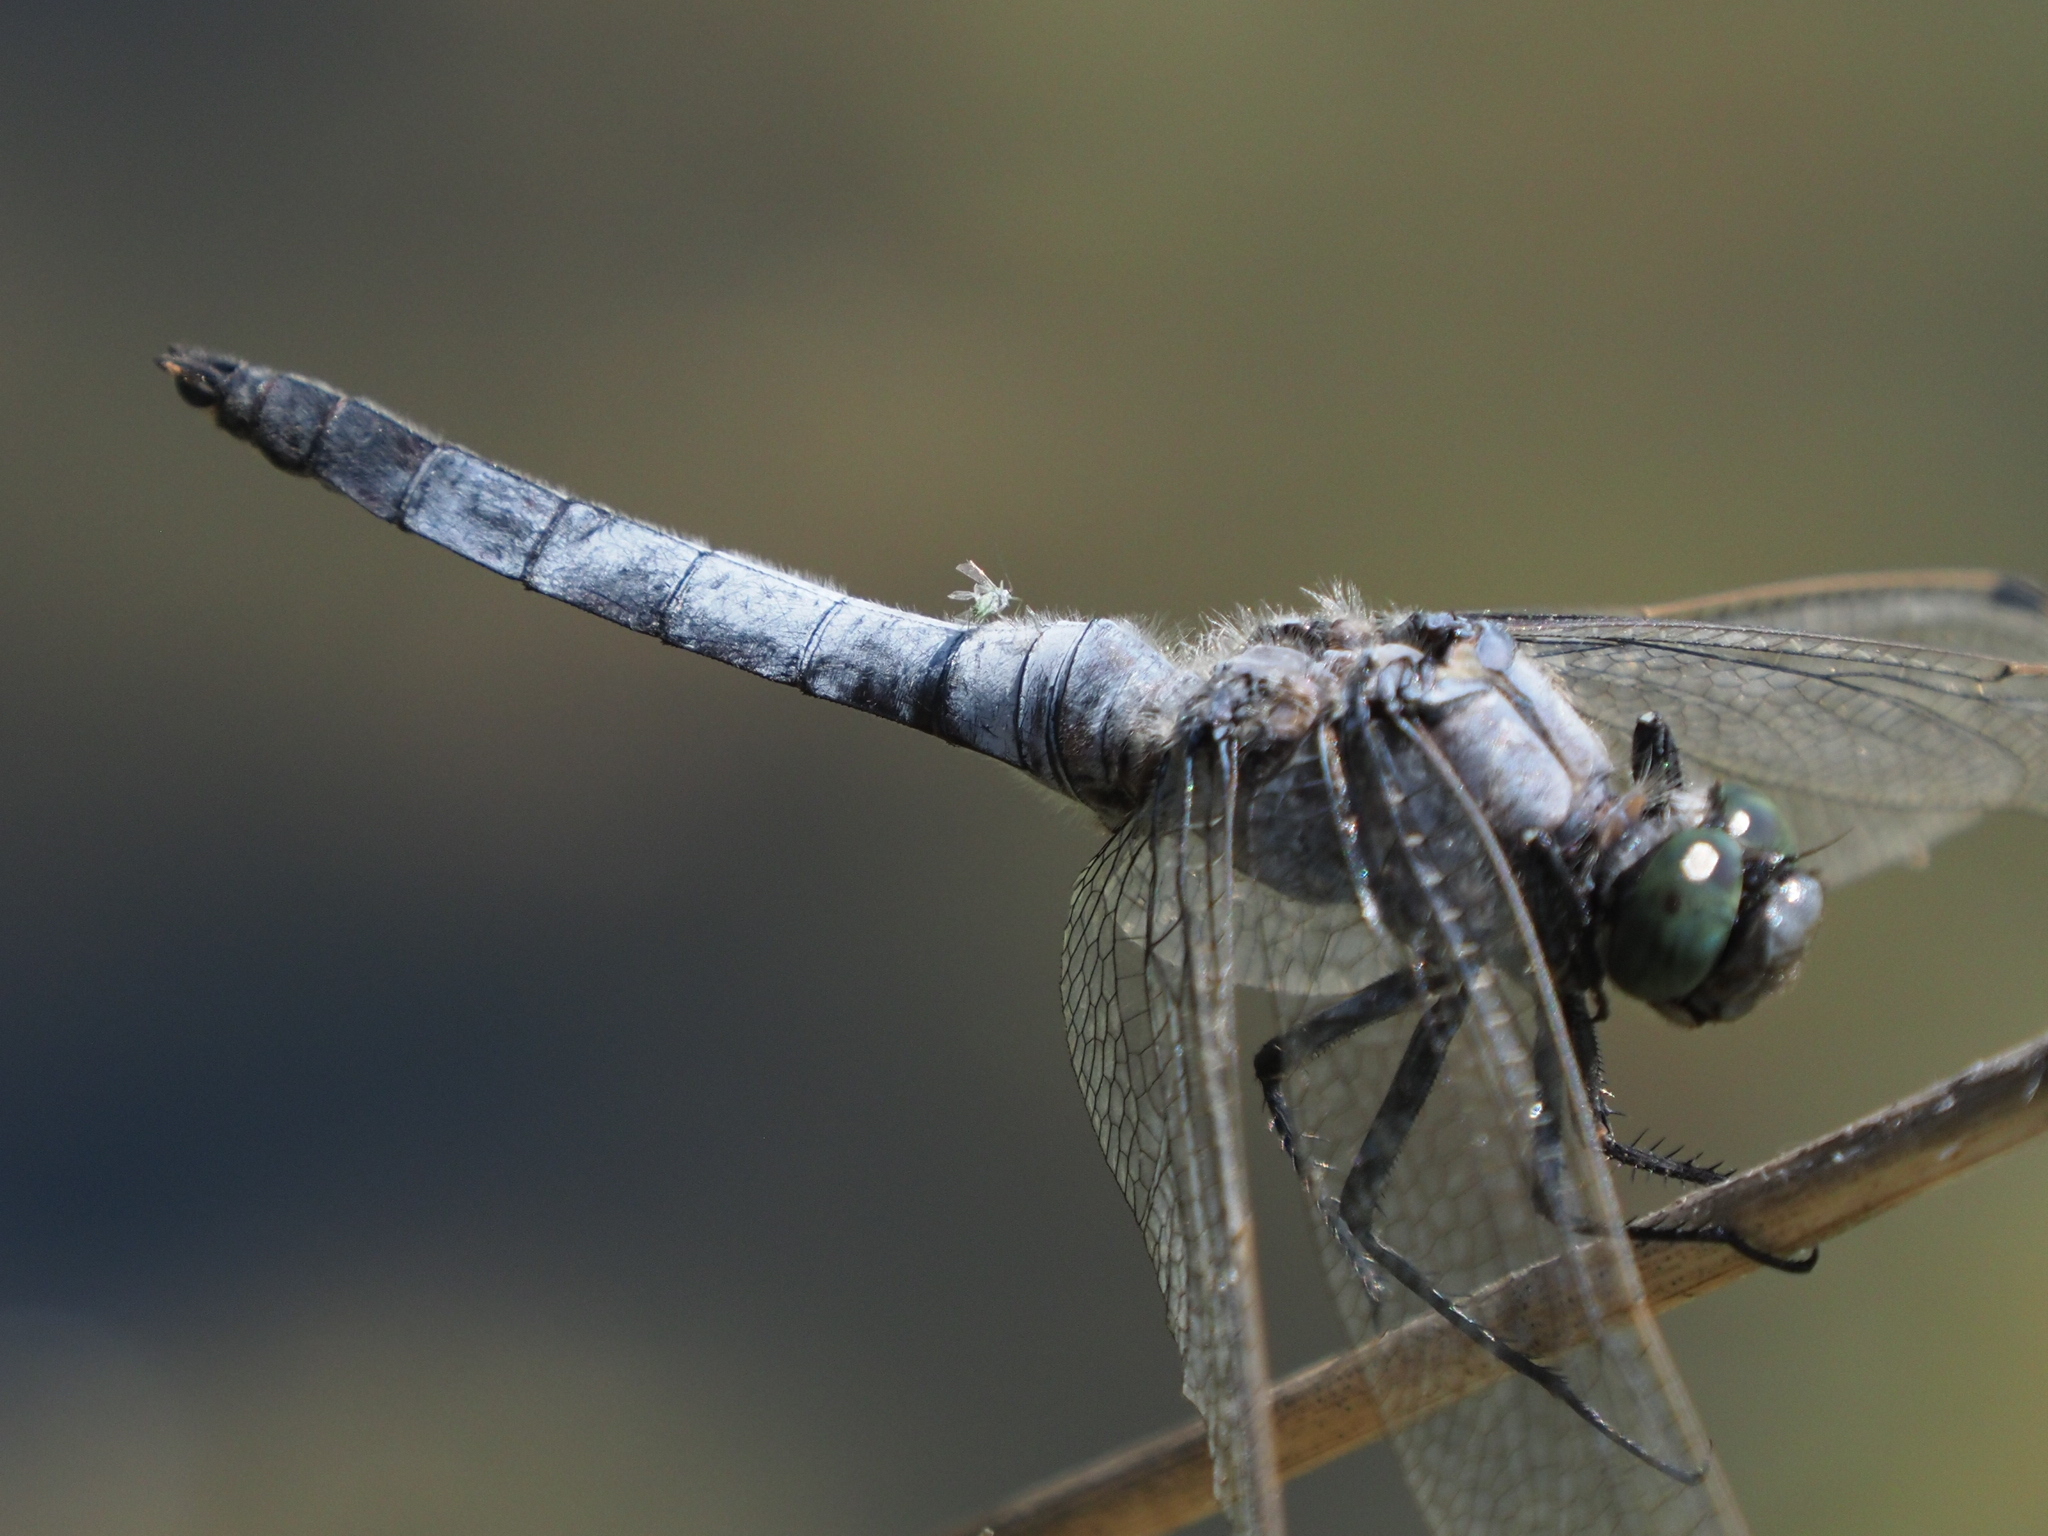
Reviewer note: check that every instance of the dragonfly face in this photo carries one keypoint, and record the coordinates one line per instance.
(1708, 923)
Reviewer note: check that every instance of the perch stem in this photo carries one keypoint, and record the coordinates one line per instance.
(1799, 1199)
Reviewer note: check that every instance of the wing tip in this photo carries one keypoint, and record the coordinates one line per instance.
(2002, 588)
(2021, 592)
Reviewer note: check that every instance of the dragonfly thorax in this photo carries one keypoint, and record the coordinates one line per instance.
(1523, 753)
(1689, 896)
(1521, 750)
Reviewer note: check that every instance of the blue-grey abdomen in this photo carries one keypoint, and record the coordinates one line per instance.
(1084, 707)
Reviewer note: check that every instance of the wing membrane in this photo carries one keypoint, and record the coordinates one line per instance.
(1883, 711)
(1460, 1203)
(1152, 1026)
(1885, 746)
(1992, 613)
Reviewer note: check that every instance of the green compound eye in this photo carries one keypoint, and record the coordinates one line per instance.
(1753, 820)
(1673, 917)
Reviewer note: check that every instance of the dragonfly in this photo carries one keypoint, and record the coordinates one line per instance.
(1416, 850)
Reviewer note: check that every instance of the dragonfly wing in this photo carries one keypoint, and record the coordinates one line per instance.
(1880, 747)
(1992, 613)
(1152, 1026)
(1460, 1203)
(1299, 929)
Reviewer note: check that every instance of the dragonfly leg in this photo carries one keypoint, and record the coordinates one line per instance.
(1641, 1159)
(1552, 1187)
(1365, 1244)
(1406, 1094)
(1351, 1217)
(1384, 999)
(1728, 1237)
(1563, 923)
(1550, 1179)
(1626, 1154)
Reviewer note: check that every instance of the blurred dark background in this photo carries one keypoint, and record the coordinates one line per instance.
(467, 1069)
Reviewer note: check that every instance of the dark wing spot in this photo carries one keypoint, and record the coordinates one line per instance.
(2019, 592)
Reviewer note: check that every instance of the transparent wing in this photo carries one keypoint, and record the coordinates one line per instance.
(1877, 745)
(1461, 1202)
(1991, 613)
(1152, 1027)
(1300, 933)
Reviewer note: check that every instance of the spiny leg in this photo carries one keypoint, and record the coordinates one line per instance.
(1638, 1158)
(1564, 928)
(1586, 1045)
(1552, 1191)
(1730, 1238)
(1386, 998)
(1410, 1088)
(1632, 1155)
(1580, 1022)
(1350, 1216)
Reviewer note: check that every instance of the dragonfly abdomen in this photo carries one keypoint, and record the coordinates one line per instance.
(1085, 707)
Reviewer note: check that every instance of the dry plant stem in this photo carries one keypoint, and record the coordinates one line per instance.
(1796, 1200)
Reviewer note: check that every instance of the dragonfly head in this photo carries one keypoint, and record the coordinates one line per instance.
(1715, 916)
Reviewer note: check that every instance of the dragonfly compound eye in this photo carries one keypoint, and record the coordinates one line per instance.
(1753, 820)
(1673, 914)
(1778, 918)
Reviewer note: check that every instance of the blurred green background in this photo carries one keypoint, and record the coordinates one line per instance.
(467, 1069)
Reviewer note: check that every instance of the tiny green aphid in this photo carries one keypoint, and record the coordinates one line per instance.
(987, 599)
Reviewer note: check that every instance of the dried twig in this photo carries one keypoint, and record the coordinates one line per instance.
(1796, 1200)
